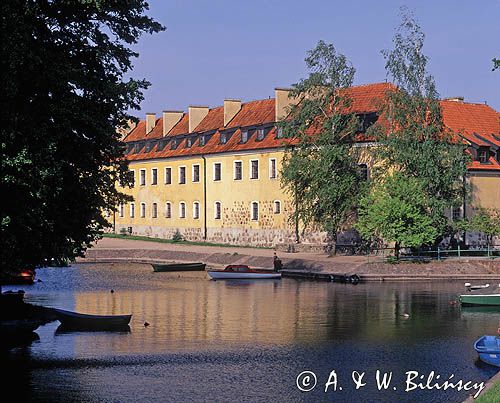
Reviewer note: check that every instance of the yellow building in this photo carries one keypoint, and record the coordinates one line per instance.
(213, 174)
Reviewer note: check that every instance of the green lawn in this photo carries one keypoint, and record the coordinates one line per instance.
(161, 240)
(490, 396)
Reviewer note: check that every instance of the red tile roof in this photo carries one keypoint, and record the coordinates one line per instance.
(466, 119)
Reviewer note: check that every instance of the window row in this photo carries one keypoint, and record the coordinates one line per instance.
(238, 174)
(182, 211)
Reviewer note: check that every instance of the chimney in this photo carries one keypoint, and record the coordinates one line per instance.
(196, 115)
(150, 122)
(170, 119)
(231, 108)
(455, 99)
(282, 102)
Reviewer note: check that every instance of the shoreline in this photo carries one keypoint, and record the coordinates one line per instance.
(301, 265)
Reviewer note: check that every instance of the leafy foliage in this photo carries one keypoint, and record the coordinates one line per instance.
(396, 210)
(496, 63)
(418, 145)
(486, 221)
(64, 94)
(320, 167)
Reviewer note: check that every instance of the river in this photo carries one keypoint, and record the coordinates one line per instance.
(245, 340)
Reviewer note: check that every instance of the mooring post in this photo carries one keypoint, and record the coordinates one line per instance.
(439, 255)
(458, 251)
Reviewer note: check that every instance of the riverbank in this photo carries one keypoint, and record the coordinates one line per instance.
(308, 265)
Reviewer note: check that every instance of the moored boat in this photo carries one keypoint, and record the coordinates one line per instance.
(166, 267)
(488, 348)
(243, 272)
(75, 320)
(480, 299)
(25, 277)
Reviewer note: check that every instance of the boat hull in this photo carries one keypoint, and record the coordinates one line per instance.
(488, 348)
(173, 267)
(74, 320)
(480, 300)
(221, 275)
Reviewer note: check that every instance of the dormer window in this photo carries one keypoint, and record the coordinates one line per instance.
(223, 138)
(279, 132)
(483, 155)
(260, 134)
(203, 140)
(173, 144)
(244, 136)
(189, 142)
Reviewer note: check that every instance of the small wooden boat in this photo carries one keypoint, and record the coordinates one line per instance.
(242, 272)
(471, 287)
(488, 348)
(75, 320)
(165, 267)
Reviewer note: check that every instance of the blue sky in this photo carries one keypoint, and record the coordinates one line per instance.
(218, 49)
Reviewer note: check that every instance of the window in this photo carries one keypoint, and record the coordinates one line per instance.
(272, 168)
(132, 210)
(483, 155)
(254, 169)
(217, 210)
(279, 133)
(168, 176)
(260, 134)
(456, 213)
(196, 173)
(217, 171)
(189, 142)
(154, 176)
(173, 144)
(203, 140)
(168, 210)
(154, 210)
(238, 170)
(143, 210)
(120, 210)
(244, 136)
(182, 210)
(142, 177)
(255, 211)
(277, 207)
(223, 138)
(182, 175)
(196, 210)
(132, 178)
(363, 171)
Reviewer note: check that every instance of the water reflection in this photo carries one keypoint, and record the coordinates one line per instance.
(214, 333)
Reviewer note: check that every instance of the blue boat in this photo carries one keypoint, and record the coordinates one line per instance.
(488, 348)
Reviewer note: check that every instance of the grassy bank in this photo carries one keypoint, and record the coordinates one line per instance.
(492, 395)
(171, 241)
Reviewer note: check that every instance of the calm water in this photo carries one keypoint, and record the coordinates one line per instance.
(244, 340)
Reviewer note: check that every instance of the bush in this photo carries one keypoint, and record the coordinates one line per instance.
(177, 237)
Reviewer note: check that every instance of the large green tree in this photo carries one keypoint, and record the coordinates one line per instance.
(320, 164)
(396, 210)
(64, 93)
(496, 63)
(416, 143)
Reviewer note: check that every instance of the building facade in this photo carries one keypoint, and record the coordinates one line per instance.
(214, 174)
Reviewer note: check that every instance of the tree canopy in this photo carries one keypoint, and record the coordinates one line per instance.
(320, 166)
(64, 65)
(417, 144)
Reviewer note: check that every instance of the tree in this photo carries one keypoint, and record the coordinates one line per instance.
(496, 63)
(486, 221)
(320, 164)
(417, 144)
(396, 210)
(64, 94)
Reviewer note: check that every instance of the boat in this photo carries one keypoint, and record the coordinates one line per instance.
(471, 287)
(16, 327)
(165, 267)
(488, 348)
(25, 277)
(75, 320)
(243, 272)
(480, 299)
